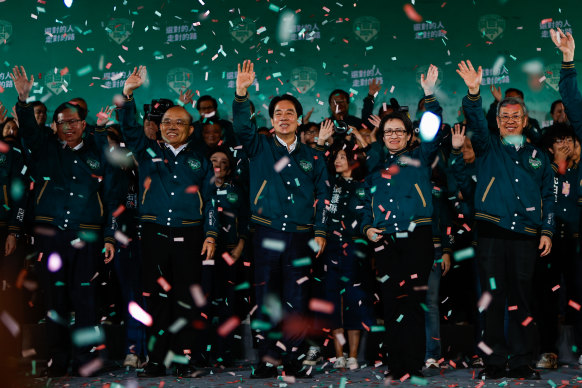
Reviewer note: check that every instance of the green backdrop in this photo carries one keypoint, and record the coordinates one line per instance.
(307, 48)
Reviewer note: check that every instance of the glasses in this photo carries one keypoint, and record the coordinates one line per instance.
(398, 132)
(565, 140)
(505, 119)
(70, 123)
(179, 123)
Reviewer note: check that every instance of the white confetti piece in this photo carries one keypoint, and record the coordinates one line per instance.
(281, 164)
(10, 323)
(178, 325)
(198, 295)
(55, 262)
(273, 245)
(139, 314)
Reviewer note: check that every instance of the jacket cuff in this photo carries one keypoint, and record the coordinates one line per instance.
(109, 239)
(548, 233)
(319, 148)
(429, 99)
(212, 233)
(320, 233)
(474, 97)
(238, 98)
(456, 152)
(568, 65)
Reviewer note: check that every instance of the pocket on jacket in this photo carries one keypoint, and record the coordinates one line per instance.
(260, 191)
(420, 194)
(487, 189)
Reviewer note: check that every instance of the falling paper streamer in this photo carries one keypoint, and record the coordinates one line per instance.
(228, 326)
(198, 295)
(282, 163)
(486, 349)
(88, 336)
(139, 314)
(484, 301)
(320, 305)
(10, 323)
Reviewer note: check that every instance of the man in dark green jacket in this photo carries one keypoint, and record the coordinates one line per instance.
(514, 209)
(288, 191)
(179, 226)
(75, 194)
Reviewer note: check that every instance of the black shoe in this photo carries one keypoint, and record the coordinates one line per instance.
(296, 369)
(394, 374)
(187, 371)
(54, 371)
(491, 373)
(152, 369)
(262, 371)
(524, 372)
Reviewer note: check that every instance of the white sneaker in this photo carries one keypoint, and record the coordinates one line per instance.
(131, 360)
(431, 363)
(340, 362)
(313, 356)
(352, 363)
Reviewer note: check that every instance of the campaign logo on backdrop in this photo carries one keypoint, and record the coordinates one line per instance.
(547, 24)
(491, 26)
(179, 78)
(5, 31)
(366, 28)
(180, 33)
(243, 30)
(422, 70)
(363, 77)
(119, 30)
(56, 82)
(492, 76)
(552, 74)
(303, 78)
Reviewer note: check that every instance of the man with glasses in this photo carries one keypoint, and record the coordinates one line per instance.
(75, 195)
(514, 209)
(179, 231)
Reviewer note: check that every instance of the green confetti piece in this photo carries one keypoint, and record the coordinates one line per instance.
(151, 152)
(275, 75)
(33, 367)
(375, 329)
(574, 349)
(6, 207)
(424, 307)
(305, 261)
(88, 336)
(84, 70)
(260, 325)
(180, 359)
(464, 254)
(360, 241)
(400, 318)
(418, 381)
(324, 65)
(373, 189)
(86, 284)
(316, 279)
(208, 347)
(552, 383)
(515, 59)
(274, 8)
(46, 178)
(384, 278)
(297, 182)
(492, 283)
(201, 48)
(343, 382)
(242, 286)
(503, 383)
(342, 291)
(59, 284)
(369, 48)
(354, 91)
(161, 332)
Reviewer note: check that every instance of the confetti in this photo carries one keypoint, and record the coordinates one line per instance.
(484, 301)
(273, 245)
(139, 314)
(178, 325)
(10, 323)
(54, 262)
(198, 295)
(574, 305)
(527, 321)
(320, 305)
(486, 349)
(281, 164)
(164, 284)
(88, 336)
(411, 13)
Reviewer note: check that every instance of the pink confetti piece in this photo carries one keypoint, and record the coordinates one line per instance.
(556, 287)
(55, 262)
(281, 164)
(484, 301)
(405, 377)
(192, 189)
(164, 284)
(486, 349)
(411, 13)
(228, 326)
(302, 280)
(10, 323)
(320, 305)
(527, 321)
(122, 238)
(228, 258)
(139, 314)
(198, 295)
(574, 305)
(512, 308)
(91, 367)
(414, 276)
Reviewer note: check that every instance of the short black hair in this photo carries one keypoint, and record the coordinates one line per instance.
(225, 150)
(557, 131)
(206, 98)
(82, 111)
(554, 105)
(190, 118)
(306, 126)
(38, 103)
(67, 105)
(285, 97)
(356, 160)
(514, 90)
(339, 91)
(397, 115)
(211, 122)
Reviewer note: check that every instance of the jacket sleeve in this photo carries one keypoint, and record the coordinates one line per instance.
(243, 215)
(367, 111)
(18, 192)
(211, 224)
(374, 156)
(321, 196)
(548, 198)
(476, 122)
(492, 116)
(366, 213)
(244, 128)
(34, 136)
(571, 97)
(115, 186)
(460, 173)
(133, 133)
(429, 149)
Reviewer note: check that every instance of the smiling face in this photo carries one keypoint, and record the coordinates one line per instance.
(221, 165)
(176, 126)
(511, 120)
(395, 136)
(206, 108)
(40, 114)
(70, 127)
(341, 163)
(284, 118)
(559, 114)
(339, 105)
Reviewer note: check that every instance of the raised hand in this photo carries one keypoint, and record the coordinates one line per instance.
(564, 42)
(244, 77)
(104, 115)
(471, 76)
(135, 80)
(186, 97)
(22, 84)
(325, 132)
(3, 113)
(496, 92)
(428, 83)
(375, 120)
(374, 87)
(458, 136)
(307, 116)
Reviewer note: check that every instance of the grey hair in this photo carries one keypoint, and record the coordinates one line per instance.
(512, 101)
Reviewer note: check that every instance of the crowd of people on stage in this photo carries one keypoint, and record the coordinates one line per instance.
(183, 229)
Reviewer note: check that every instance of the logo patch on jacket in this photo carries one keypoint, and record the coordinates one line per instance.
(535, 163)
(93, 164)
(194, 164)
(360, 193)
(232, 197)
(305, 165)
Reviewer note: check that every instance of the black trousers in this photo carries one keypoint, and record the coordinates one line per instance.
(69, 287)
(506, 267)
(407, 263)
(174, 254)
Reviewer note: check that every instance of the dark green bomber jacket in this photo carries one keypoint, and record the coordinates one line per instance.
(175, 190)
(73, 189)
(292, 200)
(14, 182)
(514, 186)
